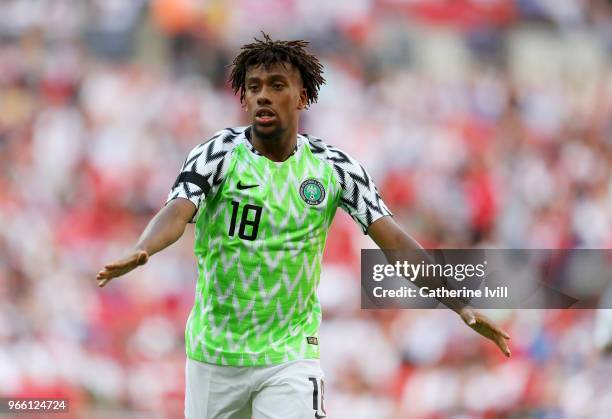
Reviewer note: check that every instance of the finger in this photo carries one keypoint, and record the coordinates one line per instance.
(496, 333)
(102, 274)
(108, 274)
(117, 265)
(503, 346)
(495, 329)
(470, 318)
(501, 332)
(103, 282)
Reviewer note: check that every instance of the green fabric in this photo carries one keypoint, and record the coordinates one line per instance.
(256, 301)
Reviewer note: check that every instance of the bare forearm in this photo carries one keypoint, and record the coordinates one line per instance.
(398, 246)
(409, 248)
(165, 228)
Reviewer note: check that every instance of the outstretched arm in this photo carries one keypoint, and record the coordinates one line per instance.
(389, 236)
(164, 229)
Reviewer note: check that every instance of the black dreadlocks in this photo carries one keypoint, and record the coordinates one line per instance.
(268, 52)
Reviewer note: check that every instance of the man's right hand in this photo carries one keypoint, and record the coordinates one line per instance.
(164, 229)
(121, 267)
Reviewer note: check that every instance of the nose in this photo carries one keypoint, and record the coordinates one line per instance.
(263, 97)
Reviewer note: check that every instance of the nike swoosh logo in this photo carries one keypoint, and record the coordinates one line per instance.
(241, 186)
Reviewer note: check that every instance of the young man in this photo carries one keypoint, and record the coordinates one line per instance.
(263, 198)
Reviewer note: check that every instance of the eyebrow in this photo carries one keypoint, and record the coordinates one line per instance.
(272, 77)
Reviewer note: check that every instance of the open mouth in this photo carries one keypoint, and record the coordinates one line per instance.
(265, 116)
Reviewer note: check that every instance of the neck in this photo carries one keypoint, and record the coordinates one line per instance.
(276, 149)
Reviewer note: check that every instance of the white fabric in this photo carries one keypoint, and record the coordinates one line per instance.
(284, 391)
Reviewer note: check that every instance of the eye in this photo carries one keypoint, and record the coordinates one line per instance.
(252, 87)
(278, 85)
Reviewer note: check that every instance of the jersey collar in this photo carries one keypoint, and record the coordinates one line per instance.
(247, 141)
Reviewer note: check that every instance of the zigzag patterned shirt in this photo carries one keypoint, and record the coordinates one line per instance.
(260, 232)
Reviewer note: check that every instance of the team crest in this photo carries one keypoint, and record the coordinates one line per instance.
(312, 191)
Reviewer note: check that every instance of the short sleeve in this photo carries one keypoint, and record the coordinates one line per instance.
(203, 170)
(360, 197)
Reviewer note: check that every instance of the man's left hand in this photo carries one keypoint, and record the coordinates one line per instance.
(487, 328)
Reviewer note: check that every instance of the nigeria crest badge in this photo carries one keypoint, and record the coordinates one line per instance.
(312, 191)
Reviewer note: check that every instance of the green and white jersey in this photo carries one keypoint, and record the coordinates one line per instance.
(260, 232)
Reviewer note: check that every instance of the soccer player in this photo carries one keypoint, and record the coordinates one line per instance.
(262, 198)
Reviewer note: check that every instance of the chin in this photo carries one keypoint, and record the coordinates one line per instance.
(269, 133)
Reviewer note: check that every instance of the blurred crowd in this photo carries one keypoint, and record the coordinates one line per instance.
(483, 123)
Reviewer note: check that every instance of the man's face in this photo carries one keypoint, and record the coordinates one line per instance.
(273, 97)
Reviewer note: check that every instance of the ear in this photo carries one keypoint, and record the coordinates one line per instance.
(303, 99)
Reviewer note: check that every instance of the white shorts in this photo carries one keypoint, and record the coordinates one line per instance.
(293, 390)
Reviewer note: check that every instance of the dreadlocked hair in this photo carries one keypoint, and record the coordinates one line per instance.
(268, 52)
